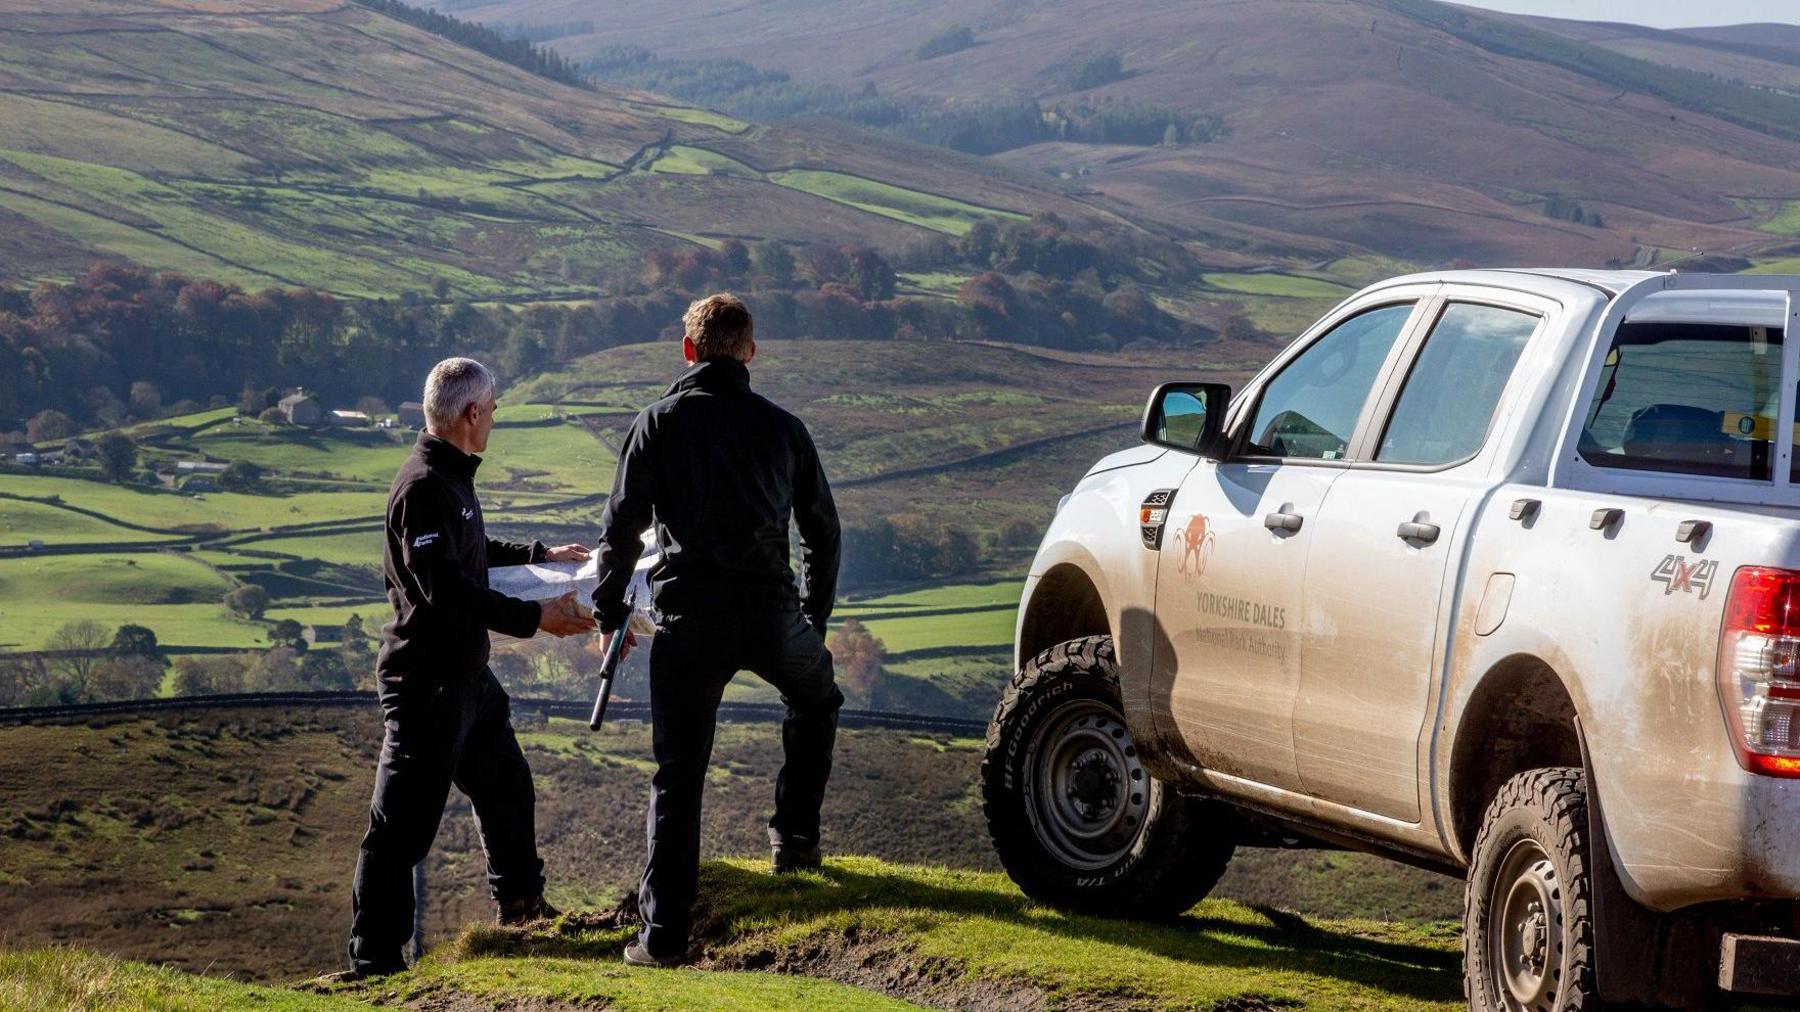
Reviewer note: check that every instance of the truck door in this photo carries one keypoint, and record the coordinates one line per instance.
(1229, 585)
(1388, 537)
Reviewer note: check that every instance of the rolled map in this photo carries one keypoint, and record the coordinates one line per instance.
(545, 580)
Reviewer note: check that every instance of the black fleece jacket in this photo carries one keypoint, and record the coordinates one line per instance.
(436, 564)
(719, 468)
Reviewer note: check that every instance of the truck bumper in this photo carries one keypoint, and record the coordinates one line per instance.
(1715, 834)
(1758, 964)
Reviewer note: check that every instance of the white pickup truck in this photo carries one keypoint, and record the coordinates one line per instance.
(1495, 572)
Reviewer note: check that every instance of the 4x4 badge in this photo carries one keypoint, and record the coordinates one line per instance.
(1675, 573)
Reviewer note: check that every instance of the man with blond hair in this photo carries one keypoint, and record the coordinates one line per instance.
(447, 718)
(719, 470)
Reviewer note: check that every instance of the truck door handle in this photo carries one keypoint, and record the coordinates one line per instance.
(1282, 521)
(1414, 530)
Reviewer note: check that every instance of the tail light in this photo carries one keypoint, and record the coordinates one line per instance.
(1759, 669)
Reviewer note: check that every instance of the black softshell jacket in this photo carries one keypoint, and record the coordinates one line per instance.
(719, 469)
(436, 563)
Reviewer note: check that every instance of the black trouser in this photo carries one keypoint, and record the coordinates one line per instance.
(459, 733)
(691, 659)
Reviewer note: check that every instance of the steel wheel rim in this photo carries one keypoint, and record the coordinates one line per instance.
(1089, 793)
(1525, 930)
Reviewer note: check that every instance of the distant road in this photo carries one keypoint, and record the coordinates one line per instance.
(739, 713)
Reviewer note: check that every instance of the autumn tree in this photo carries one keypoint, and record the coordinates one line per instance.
(124, 676)
(49, 425)
(212, 674)
(859, 657)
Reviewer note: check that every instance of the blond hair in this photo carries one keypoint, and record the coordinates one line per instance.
(719, 325)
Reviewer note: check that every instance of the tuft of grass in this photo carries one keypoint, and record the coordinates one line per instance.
(60, 979)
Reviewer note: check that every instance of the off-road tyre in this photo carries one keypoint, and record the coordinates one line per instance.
(1532, 853)
(1157, 852)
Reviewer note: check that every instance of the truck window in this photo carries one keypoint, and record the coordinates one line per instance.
(1449, 398)
(1687, 398)
(1309, 410)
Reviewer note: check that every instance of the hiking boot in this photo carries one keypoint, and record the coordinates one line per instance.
(637, 955)
(795, 855)
(520, 912)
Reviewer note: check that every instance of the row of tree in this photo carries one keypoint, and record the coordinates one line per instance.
(86, 662)
(976, 126)
(121, 342)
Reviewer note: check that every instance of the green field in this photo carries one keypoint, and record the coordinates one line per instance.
(976, 618)
(171, 511)
(936, 283)
(538, 458)
(1785, 220)
(1282, 285)
(691, 161)
(1791, 265)
(24, 522)
(926, 210)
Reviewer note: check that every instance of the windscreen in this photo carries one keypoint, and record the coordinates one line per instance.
(1687, 398)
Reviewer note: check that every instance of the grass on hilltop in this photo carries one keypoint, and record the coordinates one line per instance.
(946, 937)
(900, 932)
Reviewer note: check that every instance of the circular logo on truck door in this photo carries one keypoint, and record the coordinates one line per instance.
(1195, 542)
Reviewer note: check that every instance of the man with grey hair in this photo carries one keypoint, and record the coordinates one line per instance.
(447, 718)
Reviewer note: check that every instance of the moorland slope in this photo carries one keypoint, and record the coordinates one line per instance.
(1418, 129)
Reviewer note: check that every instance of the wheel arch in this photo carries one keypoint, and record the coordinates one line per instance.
(1521, 715)
(1064, 604)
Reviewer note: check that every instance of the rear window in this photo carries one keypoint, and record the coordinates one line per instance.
(1687, 398)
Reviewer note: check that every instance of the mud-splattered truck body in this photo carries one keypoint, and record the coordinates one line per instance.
(1497, 572)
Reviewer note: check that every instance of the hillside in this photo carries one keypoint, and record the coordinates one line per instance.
(1762, 56)
(1416, 129)
(242, 869)
(318, 143)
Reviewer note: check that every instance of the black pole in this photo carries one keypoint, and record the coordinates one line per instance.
(609, 666)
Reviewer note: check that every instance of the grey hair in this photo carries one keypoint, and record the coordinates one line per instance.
(454, 384)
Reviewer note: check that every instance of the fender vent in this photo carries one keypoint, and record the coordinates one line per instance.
(1153, 516)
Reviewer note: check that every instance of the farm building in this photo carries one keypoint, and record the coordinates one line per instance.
(300, 409)
(412, 415)
(349, 419)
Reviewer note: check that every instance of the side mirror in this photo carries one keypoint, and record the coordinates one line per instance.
(1187, 416)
